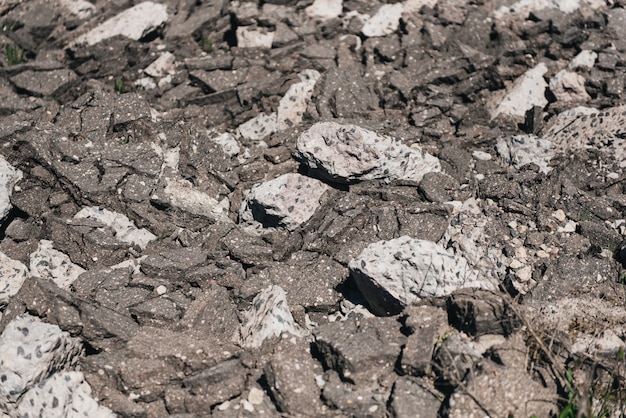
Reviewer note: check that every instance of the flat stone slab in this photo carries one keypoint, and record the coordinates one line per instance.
(346, 153)
(44, 83)
(526, 91)
(125, 229)
(393, 274)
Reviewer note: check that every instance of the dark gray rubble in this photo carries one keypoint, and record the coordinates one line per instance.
(312, 208)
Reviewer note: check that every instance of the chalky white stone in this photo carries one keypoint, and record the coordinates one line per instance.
(525, 92)
(12, 275)
(384, 22)
(9, 176)
(125, 229)
(51, 264)
(519, 150)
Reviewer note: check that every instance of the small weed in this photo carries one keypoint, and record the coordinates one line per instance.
(586, 215)
(11, 25)
(119, 85)
(622, 278)
(15, 55)
(206, 44)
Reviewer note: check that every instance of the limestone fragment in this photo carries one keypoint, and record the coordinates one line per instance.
(48, 263)
(125, 229)
(9, 176)
(527, 91)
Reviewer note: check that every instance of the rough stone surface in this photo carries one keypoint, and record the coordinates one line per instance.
(345, 153)
(124, 229)
(519, 150)
(9, 176)
(527, 91)
(51, 264)
(12, 275)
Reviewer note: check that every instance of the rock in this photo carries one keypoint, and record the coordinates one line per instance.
(584, 59)
(569, 87)
(30, 352)
(411, 397)
(12, 276)
(384, 22)
(291, 374)
(353, 400)
(519, 150)
(527, 91)
(268, 317)
(324, 9)
(9, 176)
(393, 274)
(82, 9)
(362, 351)
(172, 263)
(248, 37)
(427, 324)
(44, 83)
(48, 263)
(162, 66)
(228, 143)
(286, 201)
(453, 359)
(478, 312)
(347, 153)
(64, 394)
(439, 187)
(135, 23)
(124, 229)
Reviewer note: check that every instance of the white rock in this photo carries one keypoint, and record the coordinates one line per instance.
(384, 22)
(527, 91)
(584, 59)
(30, 351)
(12, 275)
(248, 37)
(559, 215)
(125, 229)
(570, 226)
(344, 153)
(63, 395)
(134, 23)
(181, 194)
(82, 9)
(481, 155)
(9, 176)
(259, 127)
(145, 83)
(162, 66)
(524, 7)
(393, 274)
(568, 86)
(268, 317)
(228, 143)
(293, 105)
(519, 150)
(414, 6)
(287, 201)
(324, 9)
(48, 263)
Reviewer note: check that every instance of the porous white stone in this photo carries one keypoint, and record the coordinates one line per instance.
(527, 91)
(51, 264)
(285, 201)
(258, 127)
(519, 150)
(249, 37)
(384, 22)
(63, 395)
(585, 59)
(134, 23)
(30, 351)
(393, 274)
(9, 176)
(162, 66)
(568, 86)
(228, 143)
(12, 275)
(324, 9)
(268, 317)
(125, 229)
(524, 7)
(181, 194)
(343, 153)
(82, 9)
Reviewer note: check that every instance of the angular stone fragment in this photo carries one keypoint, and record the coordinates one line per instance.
(268, 317)
(9, 176)
(82, 9)
(125, 229)
(353, 400)
(162, 66)
(30, 351)
(285, 201)
(324, 9)
(569, 87)
(44, 83)
(427, 324)
(345, 153)
(248, 37)
(393, 274)
(413, 397)
(585, 59)
(361, 351)
(478, 312)
(384, 22)
(12, 276)
(134, 23)
(527, 91)
(48, 263)
(64, 394)
(519, 150)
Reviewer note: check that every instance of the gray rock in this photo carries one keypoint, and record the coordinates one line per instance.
(478, 312)
(569, 87)
(12, 275)
(9, 176)
(134, 23)
(414, 398)
(527, 91)
(124, 229)
(393, 274)
(44, 83)
(427, 324)
(345, 153)
(48, 263)
(440, 187)
(384, 22)
(291, 374)
(454, 359)
(519, 150)
(286, 201)
(30, 352)
(64, 394)
(361, 351)
(172, 263)
(268, 317)
(354, 400)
